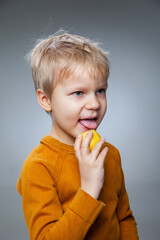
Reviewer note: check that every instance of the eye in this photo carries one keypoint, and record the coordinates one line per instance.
(101, 91)
(78, 93)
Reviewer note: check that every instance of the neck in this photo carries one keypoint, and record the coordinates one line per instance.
(62, 137)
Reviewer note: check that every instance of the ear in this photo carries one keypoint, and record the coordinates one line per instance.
(43, 100)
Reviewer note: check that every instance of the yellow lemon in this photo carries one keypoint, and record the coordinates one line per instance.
(95, 138)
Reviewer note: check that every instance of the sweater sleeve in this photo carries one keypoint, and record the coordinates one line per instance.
(128, 228)
(43, 211)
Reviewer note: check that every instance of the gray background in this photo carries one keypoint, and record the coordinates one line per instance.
(130, 31)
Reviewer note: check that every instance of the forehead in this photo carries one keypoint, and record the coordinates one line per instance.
(82, 72)
(83, 80)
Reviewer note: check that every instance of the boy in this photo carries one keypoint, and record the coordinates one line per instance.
(67, 191)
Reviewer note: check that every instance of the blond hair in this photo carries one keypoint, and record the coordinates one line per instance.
(57, 57)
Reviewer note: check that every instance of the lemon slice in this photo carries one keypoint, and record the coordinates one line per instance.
(96, 137)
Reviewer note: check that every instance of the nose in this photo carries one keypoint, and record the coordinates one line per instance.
(92, 103)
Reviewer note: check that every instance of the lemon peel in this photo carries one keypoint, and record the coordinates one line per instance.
(95, 138)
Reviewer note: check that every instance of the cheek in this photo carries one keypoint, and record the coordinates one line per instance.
(71, 111)
(66, 108)
(104, 104)
(103, 108)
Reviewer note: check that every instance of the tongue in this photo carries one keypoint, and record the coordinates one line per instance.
(89, 123)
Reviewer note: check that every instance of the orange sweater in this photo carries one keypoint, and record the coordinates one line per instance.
(56, 208)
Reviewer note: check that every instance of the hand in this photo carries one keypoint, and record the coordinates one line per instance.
(91, 164)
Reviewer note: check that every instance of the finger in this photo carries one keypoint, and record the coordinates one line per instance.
(102, 157)
(77, 146)
(85, 144)
(96, 150)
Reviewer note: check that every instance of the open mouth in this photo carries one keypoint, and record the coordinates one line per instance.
(88, 124)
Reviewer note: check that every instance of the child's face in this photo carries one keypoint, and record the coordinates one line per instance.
(78, 104)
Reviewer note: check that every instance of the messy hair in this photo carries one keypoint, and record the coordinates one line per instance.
(58, 56)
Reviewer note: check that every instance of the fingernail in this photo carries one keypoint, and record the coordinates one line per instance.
(90, 132)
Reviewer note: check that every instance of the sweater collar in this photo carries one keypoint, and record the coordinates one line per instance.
(53, 142)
